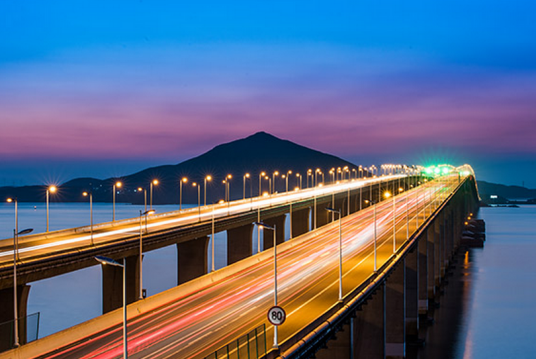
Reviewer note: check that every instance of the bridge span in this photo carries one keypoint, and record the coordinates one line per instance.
(389, 248)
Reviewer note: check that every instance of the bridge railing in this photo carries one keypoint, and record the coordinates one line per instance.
(28, 325)
(249, 346)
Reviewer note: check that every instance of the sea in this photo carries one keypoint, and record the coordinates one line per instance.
(487, 309)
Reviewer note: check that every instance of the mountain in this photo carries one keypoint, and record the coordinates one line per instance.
(254, 154)
(504, 193)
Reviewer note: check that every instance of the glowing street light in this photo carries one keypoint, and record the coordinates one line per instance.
(274, 175)
(300, 179)
(50, 189)
(261, 175)
(244, 184)
(153, 183)
(90, 195)
(108, 261)
(144, 196)
(118, 185)
(207, 178)
(195, 184)
(16, 235)
(183, 180)
(340, 248)
(141, 248)
(288, 174)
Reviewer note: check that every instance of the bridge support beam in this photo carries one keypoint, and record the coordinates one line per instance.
(423, 274)
(430, 235)
(395, 343)
(370, 327)
(7, 315)
(339, 347)
(412, 295)
(192, 259)
(112, 284)
(300, 222)
(323, 217)
(239, 243)
(279, 222)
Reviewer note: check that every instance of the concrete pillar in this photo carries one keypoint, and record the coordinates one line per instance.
(412, 295)
(279, 222)
(430, 238)
(338, 347)
(423, 274)
(7, 315)
(370, 327)
(239, 243)
(395, 314)
(300, 222)
(437, 251)
(323, 217)
(192, 259)
(112, 284)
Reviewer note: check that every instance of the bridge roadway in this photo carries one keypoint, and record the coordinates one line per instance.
(195, 319)
(45, 255)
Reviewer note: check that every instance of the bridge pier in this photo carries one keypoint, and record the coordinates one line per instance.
(112, 284)
(370, 327)
(339, 347)
(239, 243)
(7, 314)
(412, 295)
(300, 222)
(268, 236)
(395, 315)
(430, 235)
(323, 217)
(191, 259)
(423, 274)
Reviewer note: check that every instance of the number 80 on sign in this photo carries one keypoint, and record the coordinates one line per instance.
(277, 315)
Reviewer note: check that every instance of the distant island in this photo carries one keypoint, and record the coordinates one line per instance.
(498, 194)
(260, 152)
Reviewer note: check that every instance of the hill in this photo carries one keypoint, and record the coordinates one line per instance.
(254, 154)
(504, 193)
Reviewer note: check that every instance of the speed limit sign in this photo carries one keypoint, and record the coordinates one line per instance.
(277, 315)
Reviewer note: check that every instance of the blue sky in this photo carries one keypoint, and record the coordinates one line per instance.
(108, 88)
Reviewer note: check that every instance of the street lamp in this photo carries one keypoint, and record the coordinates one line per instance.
(90, 194)
(316, 178)
(228, 181)
(261, 175)
(264, 226)
(274, 175)
(300, 179)
(16, 235)
(141, 248)
(244, 183)
(288, 174)
(50, 189)
(195, 184)
(108, 261)
(387, 195)
(153, 182)
(309, 173)
(183, 180)
(118, 185)
(340, 248)
(207, 178)
(144, 196)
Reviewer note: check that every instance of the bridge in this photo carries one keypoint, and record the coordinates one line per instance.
(394, 254)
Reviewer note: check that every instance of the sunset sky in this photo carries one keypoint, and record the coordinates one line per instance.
(101, 89)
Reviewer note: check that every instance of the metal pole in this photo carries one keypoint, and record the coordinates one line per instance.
(394, 224)
(244, 185)
(340, 256)
(113, 212)
(180, 196)
(125, 345)
(141, 261)
(47, 210)
(145, 198)
(276, 345)
(258, 230)
(151, 195)
(375, 238)
(212, 244)
(15, 304)
(290, 220)
(91, 214)
(199, 201)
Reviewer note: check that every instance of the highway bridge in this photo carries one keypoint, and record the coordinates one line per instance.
(394, 253)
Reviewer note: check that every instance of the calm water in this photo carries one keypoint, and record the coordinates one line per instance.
(75, 297)
(488, 308)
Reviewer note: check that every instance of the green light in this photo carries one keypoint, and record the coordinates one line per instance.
(428, 170)
(437, 170)
(446, 170)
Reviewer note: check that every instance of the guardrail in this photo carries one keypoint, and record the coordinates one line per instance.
(28, 325)
(250, 346)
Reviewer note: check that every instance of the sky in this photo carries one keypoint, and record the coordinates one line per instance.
(102, 89)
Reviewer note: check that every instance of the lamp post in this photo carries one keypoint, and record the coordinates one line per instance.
(195, 184)
(207, 178)
(16, 235)
(261, 175)
(265, 226)
(309, 173)
(274, 175)
(300, 180)
(288, 174)
(340, 248)
(50, 189)
(212, 239)
(90, 195)
(375, 234)
(144, 196)
(108, 261)
(118, 185)
(244, 184)
(316, 177)
(183, 180)
(228, 180)
(153, 182)
(141, 248)
(387, 195)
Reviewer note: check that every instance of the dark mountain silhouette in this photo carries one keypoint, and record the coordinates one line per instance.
(253, 154)
(486, 189)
